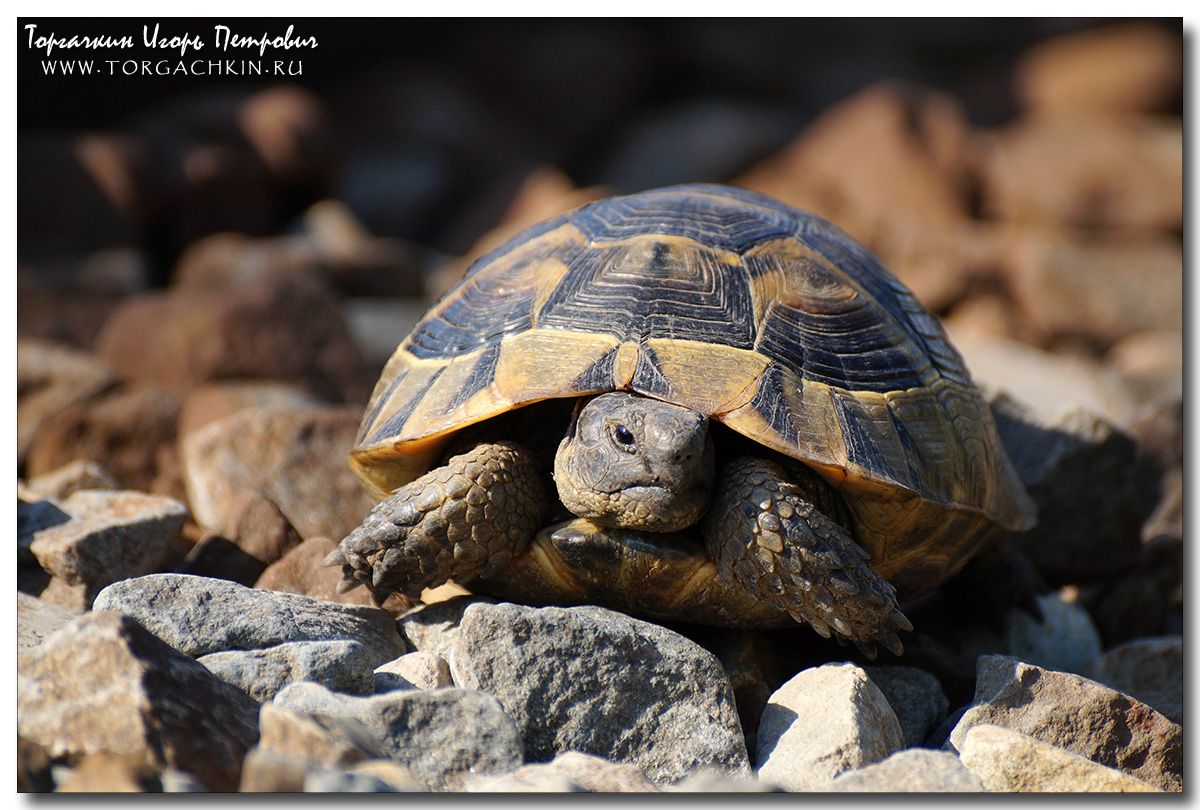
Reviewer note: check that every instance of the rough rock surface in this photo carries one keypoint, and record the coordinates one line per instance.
(341, 665)
(415, 670)
(915, 696)
(442, 735)
(70, 478)
(913, 770)
(38, 620)
(302, 571)
(569, 772)
(1149, 669)
(198, 615)
(1012, 762)
(1066, 639)
(824, 721)
(155, 702)
(597, 681)
(1078, 715)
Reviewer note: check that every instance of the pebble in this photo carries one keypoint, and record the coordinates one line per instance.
(1066, 639)
(594, 680)
(913, 770)
(111, 536)
(199, 615)
(569, 772)
(1011, 762)
(157, 703)
(434, 627)
(70, 478)
(442, 735)
(1148, 669)
(341, 665)
(295, 458)
(1080, 470)
(1078, 715)
(824, 721)
(915, 696)
(415, 670)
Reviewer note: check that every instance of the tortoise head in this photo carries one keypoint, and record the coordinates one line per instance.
(631, 462)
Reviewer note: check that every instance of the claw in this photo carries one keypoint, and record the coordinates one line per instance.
(335, 558)
(901, 621)
(347, 585)
(867, 648)
(892, 643)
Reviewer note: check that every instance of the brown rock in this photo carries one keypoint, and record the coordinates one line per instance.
(72, 477)
(50, 378)
(571, 772)
(1145, 601)
(65, 316)
(105, 772)
(361, 264)
(1115, 70)
(157, 702)
(890, 166)
(213, 401)
(296, 458)
(276, 331)
(1151, 362)
(1149, 669)
(1100, 174)
(123, 429)
(291, 132)
(232, 259)
(37, 620)
(33, 767)
(1078, 715)
(111, 536)
(302, 571)
(1101, 289)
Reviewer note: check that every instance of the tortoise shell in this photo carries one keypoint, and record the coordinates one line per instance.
(769, 320)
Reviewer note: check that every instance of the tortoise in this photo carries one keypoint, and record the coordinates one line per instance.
(691, 403)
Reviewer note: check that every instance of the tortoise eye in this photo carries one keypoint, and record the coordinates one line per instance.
(622, 437)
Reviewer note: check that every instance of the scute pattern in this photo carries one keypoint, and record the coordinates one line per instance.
(768, 319)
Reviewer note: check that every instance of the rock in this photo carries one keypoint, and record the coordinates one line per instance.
(1149, 669)
(569, 772)
(291, 131)
(50, 378)
(1143, 602)
(442, 735)
(706, 780)
(1066, 640)
(197, 615)
(915, 696)
(156, 702)
(597, 681)
(66, 317)
(380, 324)
(889, 166)
(70, 478)
(1151, 363)
(341, 665)
(212, 401)
(385, 776)
(1076, 287)
(302, 571)
(294, 458)
(1048, 383)
(822, 722)
(1078, 715)
(257, 527)
(38, 620)
(105, 772)
(266, 772)
(1080, 471)
(362, 265)
(914, 770)
(1158, 429)
(1115, 70)
(435, 627)
(750, 659)
(415, 670)
(34, 515)
(1008, 761)
(111, 536)
(229, 260)
(33, 767)
(1105, 175)
(287, 331)
(126, 429)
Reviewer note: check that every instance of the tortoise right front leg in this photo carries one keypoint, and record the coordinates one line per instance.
(766, 532)
(462, 521)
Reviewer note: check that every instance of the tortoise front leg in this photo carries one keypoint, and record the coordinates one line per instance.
(766, 534)
(462, 521)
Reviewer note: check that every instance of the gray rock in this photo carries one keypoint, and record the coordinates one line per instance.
(594, 680)
(322, 780)
(705, 780)
(1080, 470)
(822, 722)
(111, 536)
(103, 683)
(37, 620)
(341, 665)
(914, 770)
(569, 772)
(434, 627)
(1149, 669)
(1075, 714)
(1008, 761)
(915, 696)
(415, 670)
(441, 735)
(1066, 640)
(198, 615)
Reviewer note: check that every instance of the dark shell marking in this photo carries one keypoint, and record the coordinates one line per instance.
(763, 317)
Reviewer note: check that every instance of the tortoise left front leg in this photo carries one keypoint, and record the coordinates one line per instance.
(768, 535)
